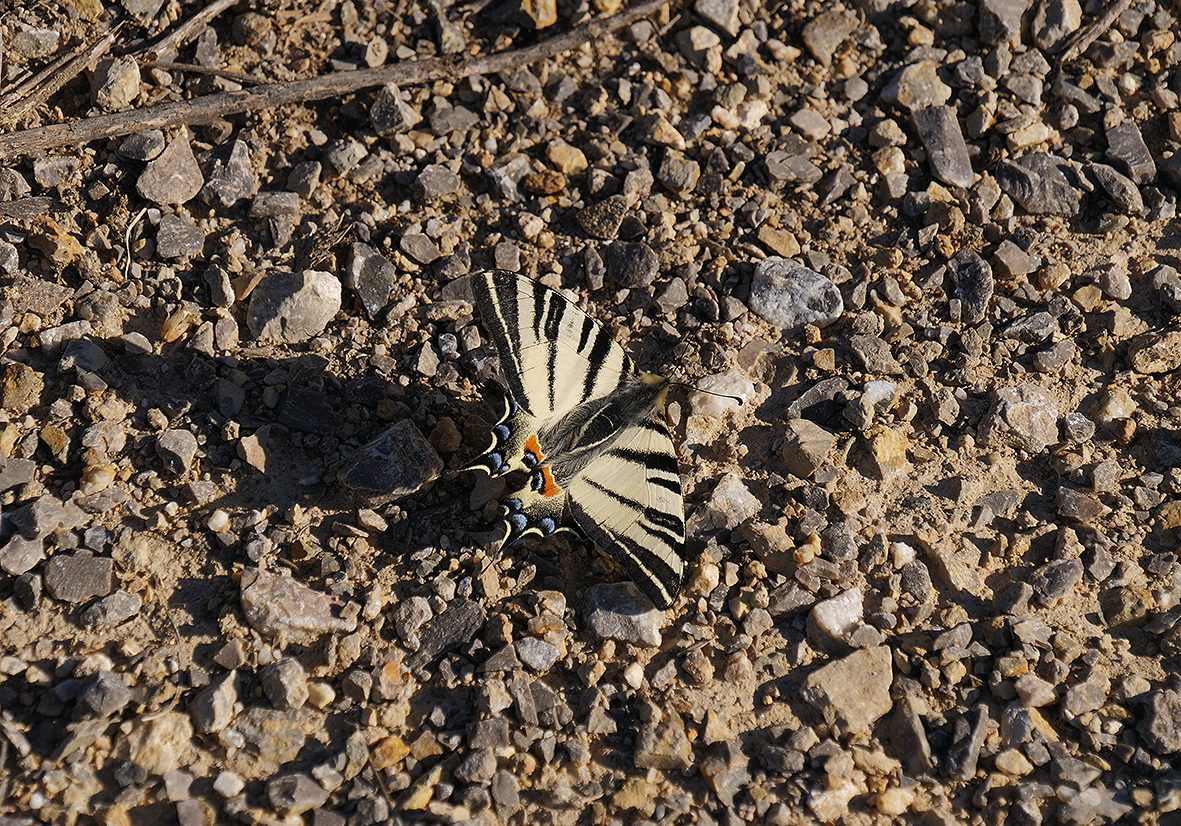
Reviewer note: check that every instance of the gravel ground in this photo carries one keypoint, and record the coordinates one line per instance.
(932, 247)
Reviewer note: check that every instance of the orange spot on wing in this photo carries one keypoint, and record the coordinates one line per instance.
(550, 488)
(533, 446)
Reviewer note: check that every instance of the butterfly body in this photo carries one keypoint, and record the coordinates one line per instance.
(587, 429)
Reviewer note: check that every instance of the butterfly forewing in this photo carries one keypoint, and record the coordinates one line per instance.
(553, 355)
(629, 502)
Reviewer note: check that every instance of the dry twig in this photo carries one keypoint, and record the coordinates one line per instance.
(1081, 40)
(211, 107)
(197, 69)
(191, 28)
(36, 90)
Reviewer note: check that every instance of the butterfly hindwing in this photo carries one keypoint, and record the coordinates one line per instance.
(628, 500)
(553, 355)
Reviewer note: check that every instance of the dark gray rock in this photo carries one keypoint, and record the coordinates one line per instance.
(1000, 20)
(177, 448)
(178, 237)
(294, 794)
(973, 284)
(620, 611)
(419, 247)
(436, 181)
(1161, 725)
(631, 264)
(397, 463)
(1166, 281)
(964, 754)
(142, 146)
(392, 112)
(112, 610)
(79, 577)
(947, 152)
(1040, 184)
(21, 554)
(371, 276)
(601, 220)
(1054, 580)
(456, 626)
(231, 179)
(173, 177)
(105, 695)
(1121, 189)
(1128, 152)
(792, 167)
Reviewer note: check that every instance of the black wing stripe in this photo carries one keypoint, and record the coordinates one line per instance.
(598, 356)
(553, 324)
(671, 485)
(498, 306)
(651, 564)
(540, 297)
(652, 459)
(670, 539)
(668, 521)
(654, 576)
(584, 335)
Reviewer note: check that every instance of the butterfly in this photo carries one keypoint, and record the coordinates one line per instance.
(587, 428)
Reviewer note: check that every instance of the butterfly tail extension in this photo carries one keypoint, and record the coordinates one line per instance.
(505, 448)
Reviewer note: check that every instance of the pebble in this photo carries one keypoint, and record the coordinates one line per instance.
(824, 33)
(974, 285)
(678, 173)
(161, 745)
(789, 295)
(371, 276)
(619, 611)
(854, 691)
(538, 655)
(917, 86)
(280, 607)
(1040, 184)
(173, 177)
(1025, 414)
(231, 179)
(1053, 22)
(454, 627)
(79, 577)
(178, 238)
(143, 146)
(392, 112)
(294, 794)
(396, 464)
(947, 152)
(1122, 190)
(832, 622)
(1000, 20)
(212, 708)
(436, 181)
(1129, 153)
(1156, 353)
(21, 554)
(631, 264)
(105, 695)
(602, 219)
(1055, 580)
(112, 610)
(1161, 725)
(293, 307)
(177, 448)
(806, 447)
(662, 742)
(285, 683)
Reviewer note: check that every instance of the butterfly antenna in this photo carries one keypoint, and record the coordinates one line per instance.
(738, 399)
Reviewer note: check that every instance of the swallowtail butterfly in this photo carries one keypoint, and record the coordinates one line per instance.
(588, 430)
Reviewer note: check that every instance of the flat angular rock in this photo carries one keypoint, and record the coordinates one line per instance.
(1053, 22)
(177, 448)
(79, 577)
(827, 31)
(854, 691)
(620, 611)
(1000, 20)
(662, 742)
(112, 610)
(173, 177)
(231, 179)
(974, 284)
(1161, 726)
(947, 152)
(602, 219)
(436, 181)
(1128, 152)
(1039, 184)
(294, 794)
(631, 264)
(293, 307)
(1121, 189)
(397, 463)
(280, 607)
(832, 621)
(178, 237)
(917, 86)
(212, 709)
(21, 554)
(789, 295)
(1156, 353)
(1025, 414)
(455, 627)
(721, 13)
(371, 276)
(806, 447)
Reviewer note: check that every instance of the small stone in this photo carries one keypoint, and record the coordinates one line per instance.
(371, 276)
(56, 171)
(1033, 691)
(1166, 281)
(1012, 762)
(973, 284)
(294, 794)
(537, 654)
(1038, 183)
(20, 554)
(280, 607)
(112, 610)
(143, 146)
(436, 181)
(723, 14)
(678, 173)
(285, 683)
(620, 611)
(662, 742)
(854, 691)
(1161, 726)
(177, 448)
(279, 206)
(631, 264)
(1012, 262)
(173, 177)
(806, 447)
(105, 695)
(79, 577)
(419, 247)
(789, 295)
(887, 451)
(397, 463)
(344, 156)
(567, 159)
(232, 179)
(947, 152)
(792, 167)
(391, 112)
(293, 307)
(1026, 414)
(454, 627)
(212, 709)
(1122, 190)
(178, 238)
(1156, 353)
(730, 504)
(831, 622)
(304, 178)
(602, 220)
(1128, 152)
(917, 86)
(541, 13)
(1054, 580)
(810, 124)
(1000, 20)
(1080, 506)
(824, 33)
(702, 47)
(15, 472)
(20, 387)
(1053, 22)
(1089, 695)
(161, 745)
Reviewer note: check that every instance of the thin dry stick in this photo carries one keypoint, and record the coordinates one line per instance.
(40, 88)
(196, 69)
(1079, 42)
(210, 107)
(186, 31)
